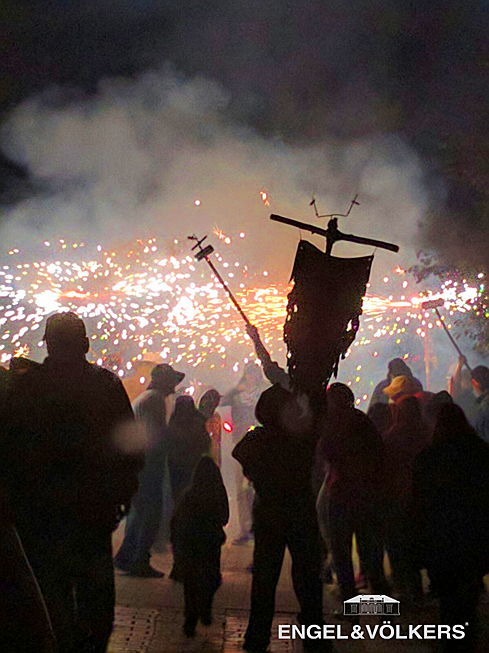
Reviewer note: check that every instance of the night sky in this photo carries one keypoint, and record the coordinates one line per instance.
(295, 71)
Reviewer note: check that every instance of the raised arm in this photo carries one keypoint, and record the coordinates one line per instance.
(271, 369)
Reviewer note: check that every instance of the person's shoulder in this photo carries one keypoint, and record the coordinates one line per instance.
(256, 433)
(30, 378)
(147, 398)
(484, 403)
(97, 371)
(381, 385)
(362, 418)
(104, 377)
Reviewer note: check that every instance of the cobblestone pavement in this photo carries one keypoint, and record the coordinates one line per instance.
(149, 614)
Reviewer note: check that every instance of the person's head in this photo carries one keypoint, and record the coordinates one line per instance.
(397, 367)
(433, 406)
(381, 416)
(401, 386)
(480, 380)
(209, 402)
(407, 412)
(451, 423)
(279, 410)
(252, 375)
(340, 399)
(165, 379)
(184, 408)
(65, 336)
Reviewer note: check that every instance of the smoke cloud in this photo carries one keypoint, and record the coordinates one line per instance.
(312, 96)
(130, 161)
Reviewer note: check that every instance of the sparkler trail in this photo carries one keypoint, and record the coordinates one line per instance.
(149, 299)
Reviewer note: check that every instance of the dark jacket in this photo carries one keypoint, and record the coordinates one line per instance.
(200, 515)
(197, 532)
(451, 503)
(401, 446)
(188, 441)
(351, 453)
(278, 464)
(61, 462)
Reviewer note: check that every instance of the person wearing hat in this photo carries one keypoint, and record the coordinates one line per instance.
(153, 409)
(69, 480)
(400, 386)
(396, 367)
(480, 385)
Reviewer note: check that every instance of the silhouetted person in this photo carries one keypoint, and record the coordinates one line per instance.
(402, 386)
(381, 416)
(407, 437)
(213, 423)
(480, 384)
(278, 457)
(461, 390)
(70, 475)
(188, 441)
(396, 367)
(243, 399)
(430, 409)
(152, 409)
(197, 536)
(350, 499)
(451, 500)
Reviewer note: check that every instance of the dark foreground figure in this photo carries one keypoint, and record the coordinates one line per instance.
(69, 477)
(278, 457)
(197, 536)
(451, 499)
(350, 503)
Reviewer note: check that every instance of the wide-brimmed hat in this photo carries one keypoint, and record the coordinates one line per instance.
(401, 385)
(164, 377)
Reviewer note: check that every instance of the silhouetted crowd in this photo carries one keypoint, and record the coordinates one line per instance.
(407, 479)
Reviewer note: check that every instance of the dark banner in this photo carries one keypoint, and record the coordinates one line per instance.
(322, 313)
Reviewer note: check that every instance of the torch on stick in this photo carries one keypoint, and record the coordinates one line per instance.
(435, 305)
(203, 253)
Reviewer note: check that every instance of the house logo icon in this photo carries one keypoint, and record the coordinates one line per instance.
(371, 604)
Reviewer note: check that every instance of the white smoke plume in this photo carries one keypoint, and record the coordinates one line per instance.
(131, 159)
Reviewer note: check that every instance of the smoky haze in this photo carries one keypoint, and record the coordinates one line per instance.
(131, 160)
(384, 98)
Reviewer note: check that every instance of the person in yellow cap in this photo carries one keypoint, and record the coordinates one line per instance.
(395, 367)
(401, 386)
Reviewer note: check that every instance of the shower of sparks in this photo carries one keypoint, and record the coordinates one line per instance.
(150, 300)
